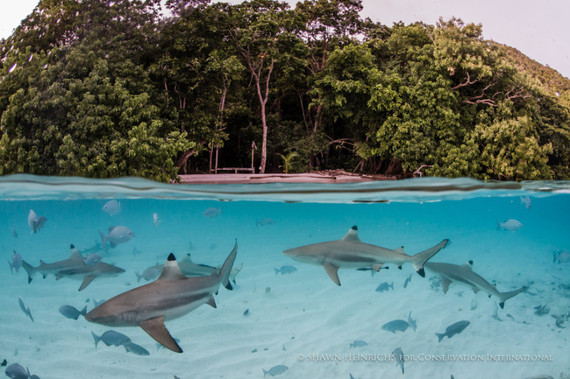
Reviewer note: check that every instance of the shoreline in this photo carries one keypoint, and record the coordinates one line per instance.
(337, 176)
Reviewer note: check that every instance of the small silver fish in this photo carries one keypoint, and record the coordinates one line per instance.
(155, 219)
(24, 309)
(71, 312)
(135, 349)
(212, 212)
(399, 357)
(92, 259)
(112, 207)
(34, 222)
(286, 269)
(16, 371)
(117, 234)
(526, 201)
(452, 330)
(396, 326)
(150, 273)
(275, 370)
(264, 222)
(384, 287)
(111, 338)
(15, 263)
(14, 233)
(511, 225)
(407, 281)
(560, 256)
(357, 343)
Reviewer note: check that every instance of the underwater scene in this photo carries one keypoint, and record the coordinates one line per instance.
(426, 277)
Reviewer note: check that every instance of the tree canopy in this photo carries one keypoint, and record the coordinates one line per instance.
(103, 88)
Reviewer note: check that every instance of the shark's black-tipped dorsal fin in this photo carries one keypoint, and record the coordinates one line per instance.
(171, 270)
(76, 256)
(468, 265)
(351, 235)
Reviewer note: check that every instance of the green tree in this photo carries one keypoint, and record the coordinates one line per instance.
(260, 30)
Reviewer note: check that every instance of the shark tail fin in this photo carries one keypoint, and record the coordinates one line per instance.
(440, 336)
(226, 269)
(29, 269)
(83, 311)
(504, 296)
(419, 259)
(139, 276)
(11, 267)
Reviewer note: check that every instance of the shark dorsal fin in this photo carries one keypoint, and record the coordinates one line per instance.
(75, 256)
(351, 235)
(171, 270)
(75, 253)
(468, 265)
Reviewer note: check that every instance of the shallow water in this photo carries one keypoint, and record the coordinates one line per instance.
(299, 319)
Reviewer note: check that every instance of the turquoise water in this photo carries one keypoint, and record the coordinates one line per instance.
(301, 319)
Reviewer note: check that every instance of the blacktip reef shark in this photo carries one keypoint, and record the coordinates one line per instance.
(73, 267)
(171, 296)
(465, 275)
(350, 252)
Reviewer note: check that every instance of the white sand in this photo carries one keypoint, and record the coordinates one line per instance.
(305, 322)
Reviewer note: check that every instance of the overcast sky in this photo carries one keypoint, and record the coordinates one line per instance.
(539, 29)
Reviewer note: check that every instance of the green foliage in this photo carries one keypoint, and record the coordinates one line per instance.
(105, 89)
(288, 160)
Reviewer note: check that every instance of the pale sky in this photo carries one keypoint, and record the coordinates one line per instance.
(539, 29)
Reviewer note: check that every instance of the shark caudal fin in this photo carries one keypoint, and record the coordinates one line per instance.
(440, 336)
(419, 259)
(29, 269)
(504, 296)
(226, 269)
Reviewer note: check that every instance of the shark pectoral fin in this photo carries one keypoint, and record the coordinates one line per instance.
(86, 281)
(156, 329)
(332, 270)
(376, 267)
(211, 302)
(445, 284)
(57, 276)
(475, 289)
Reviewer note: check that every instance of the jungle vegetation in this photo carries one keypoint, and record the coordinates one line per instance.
(101, 88)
